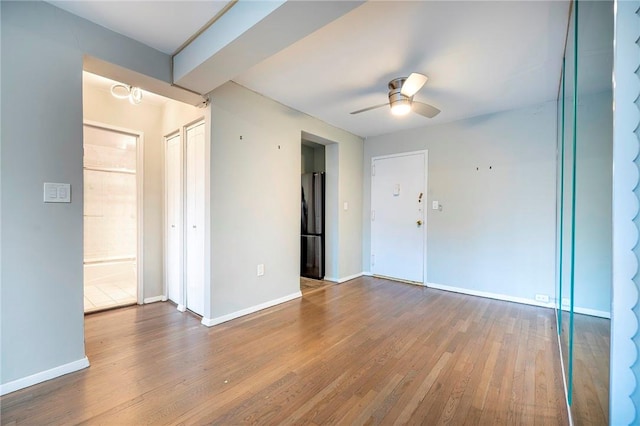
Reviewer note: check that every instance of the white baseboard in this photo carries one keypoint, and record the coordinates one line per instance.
(367, 273)
(344, 279)
(349, 278)
(588, 311)
(43, 376)
(489, 295)
(155, 299)
(210, 322)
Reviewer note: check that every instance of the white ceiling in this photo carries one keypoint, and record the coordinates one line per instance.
(163, 25)
(480, 56)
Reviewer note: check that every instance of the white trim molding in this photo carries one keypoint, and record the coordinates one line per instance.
(425, 215)
(139, 198)
(489, 295)
(43, 376)
(345, 279)
(210, 322)
(161, 298)
(586, 311)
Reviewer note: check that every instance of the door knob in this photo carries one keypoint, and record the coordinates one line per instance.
(419, 222)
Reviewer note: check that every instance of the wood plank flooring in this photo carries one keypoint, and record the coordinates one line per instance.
(591, 345)
(368, 351)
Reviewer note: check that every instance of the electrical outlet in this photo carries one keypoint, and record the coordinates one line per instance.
(260, 269)
(542, 298)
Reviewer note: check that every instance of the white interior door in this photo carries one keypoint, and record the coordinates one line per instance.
(174, 224)
(398, 222)
(195, 216)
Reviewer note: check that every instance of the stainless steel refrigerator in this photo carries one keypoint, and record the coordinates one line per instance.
(312, 226)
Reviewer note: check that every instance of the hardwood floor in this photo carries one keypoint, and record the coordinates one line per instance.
(368, 351)
(591, 345)
(309, 285)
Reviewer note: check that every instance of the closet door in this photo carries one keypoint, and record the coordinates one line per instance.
(174, 224)
(194, 215)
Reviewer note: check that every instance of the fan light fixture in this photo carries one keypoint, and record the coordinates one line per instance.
(401, 93)
(124, 91)
(399, 102)
(401, 107)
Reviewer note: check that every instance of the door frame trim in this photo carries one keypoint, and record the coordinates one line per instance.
(181, 304)
(424, 152)
(139, 199)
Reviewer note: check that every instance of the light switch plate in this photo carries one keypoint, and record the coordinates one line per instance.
(435, 205)
(57, 192)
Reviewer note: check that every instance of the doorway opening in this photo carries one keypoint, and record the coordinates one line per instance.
(315, 212)
(111, 217)
(131, 246)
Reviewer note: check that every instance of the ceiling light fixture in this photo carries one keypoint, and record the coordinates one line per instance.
(124, 91)
(136, 95)
(401, 93)
(399, 102)
(400, 106)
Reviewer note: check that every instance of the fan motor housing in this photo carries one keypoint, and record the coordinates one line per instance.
(397, 83)
(395, 95)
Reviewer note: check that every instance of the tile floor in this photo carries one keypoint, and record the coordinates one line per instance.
(109, 285)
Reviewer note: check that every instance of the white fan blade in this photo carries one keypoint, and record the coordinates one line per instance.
(413, 84)
(370, 108)
(425, 110)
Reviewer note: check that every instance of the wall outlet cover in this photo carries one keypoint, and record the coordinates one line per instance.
(542, 298)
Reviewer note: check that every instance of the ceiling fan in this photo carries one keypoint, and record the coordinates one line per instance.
(401, 93)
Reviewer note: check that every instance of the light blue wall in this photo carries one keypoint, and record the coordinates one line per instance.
(255, 196)
(495, 178)
(41, 134)
(594, 170)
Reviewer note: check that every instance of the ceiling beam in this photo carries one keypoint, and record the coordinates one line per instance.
(248, 33)
(133, 78)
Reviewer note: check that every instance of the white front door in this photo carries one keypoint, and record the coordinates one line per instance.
(398, 219)
(195, 217)
(174, 224)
